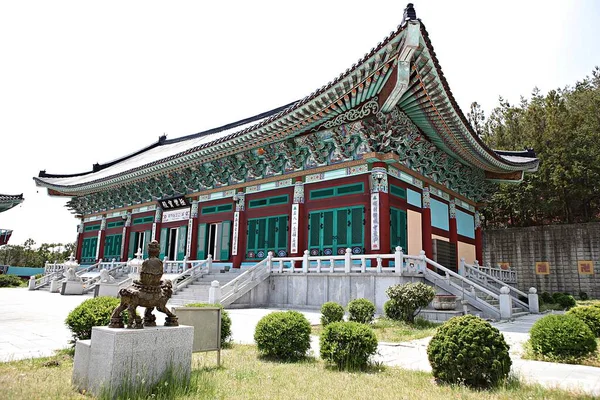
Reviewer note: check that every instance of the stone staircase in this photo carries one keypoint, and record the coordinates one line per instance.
(197, 292)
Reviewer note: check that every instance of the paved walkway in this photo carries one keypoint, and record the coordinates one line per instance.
(32, 325)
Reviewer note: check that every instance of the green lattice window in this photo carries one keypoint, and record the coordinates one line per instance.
(115, 224)
(92, 228)
(112, 247)
(267, 234)
(398, 191)
(88, 250)
(398, 229)
(143, 220)
(337, 191)
(217, 209)
(330, 232)
(268, 201)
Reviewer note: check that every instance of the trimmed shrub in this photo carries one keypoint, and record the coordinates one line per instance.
(556, 296)
(562, 336)
(283, 335)
(546, 298)
(468, 350)
(566, 301)
(589, 315)
(583, 296)
(10, 281)
(348, 345)
(225, 321)
(331, 312)
(361, 311)
(407, 300)
(90, 313)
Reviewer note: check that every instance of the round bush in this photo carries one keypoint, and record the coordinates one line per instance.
(331, 312)
(589, 315)
(392, 310)
(566, 301)
(283, 335)
(556, 296)
(10, 281)
(225, 321)
(583, 296)
(349, 345)
(562, 336)
(361, 311)
(408, 300)
(90, 313)
(546, 298)
(468, 350)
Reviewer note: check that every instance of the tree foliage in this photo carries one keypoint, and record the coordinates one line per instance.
(563, 127)
(28, 255)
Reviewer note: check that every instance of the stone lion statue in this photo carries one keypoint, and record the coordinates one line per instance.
(105, 277)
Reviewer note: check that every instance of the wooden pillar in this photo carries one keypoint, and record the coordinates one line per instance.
(79, 242)
(101, 237)
(478, 238)
(426, 223)
(192, 245)
(454, 230)
(125, 237)
(380, 209)
(238, 236)
(298, 225)
(157, 224)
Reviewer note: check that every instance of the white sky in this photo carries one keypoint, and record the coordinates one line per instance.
(85, 82)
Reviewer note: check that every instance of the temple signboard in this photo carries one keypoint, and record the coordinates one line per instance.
(176, 215)
(542, 268)
(585, 267)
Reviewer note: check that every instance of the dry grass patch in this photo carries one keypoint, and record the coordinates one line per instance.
(388, 330)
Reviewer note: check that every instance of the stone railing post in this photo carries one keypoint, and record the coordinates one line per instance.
(423, 263)
(305, 261)
(505, 303)
(209, 262)
(461, 267)
(214, 293)
(534, 304)
(347, 260)
(31, 283)
(398, 260)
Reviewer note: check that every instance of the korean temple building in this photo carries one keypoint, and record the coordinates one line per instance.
(381, 156)
(8, 201)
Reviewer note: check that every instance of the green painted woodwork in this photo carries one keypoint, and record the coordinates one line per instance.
(398, 229)
(143, 220)
(217, 209)
(163, 242)
(132, 241)
(92, 228)
(225, 240)
(134, 238)
(115, 224)
(268, 201)
(181, 242)
(88, 250)
(398, 191)
(202, 238)
(342, 190)
(332, 231)
(266, 234)
(112, 247)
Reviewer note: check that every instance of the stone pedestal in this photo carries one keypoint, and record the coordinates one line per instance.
(72, 287)
(54, 286)
(107, 289)
(116, 357)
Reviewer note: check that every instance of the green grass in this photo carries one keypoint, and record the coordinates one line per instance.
(592, 360)
(388, 330)
(244, 375)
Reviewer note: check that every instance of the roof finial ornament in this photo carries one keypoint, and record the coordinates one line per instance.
(409, 13)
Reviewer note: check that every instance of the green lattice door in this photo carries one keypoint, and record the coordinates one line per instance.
(332, 231)
(398, 230)
(267, 234)
(88, 250)
(112, 247)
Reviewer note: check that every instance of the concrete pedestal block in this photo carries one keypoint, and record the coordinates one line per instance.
(54, 286)
(72, 287)
(116, 357)
(107, 289)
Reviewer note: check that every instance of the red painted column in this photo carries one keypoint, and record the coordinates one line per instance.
(454, 230)
(298, 224)
(426, 223)
(157, 224)
(79, 244)
(238, 251)
(101, 237)
(125, 237)
(193, 245)
(478, 239)
(380, 234)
